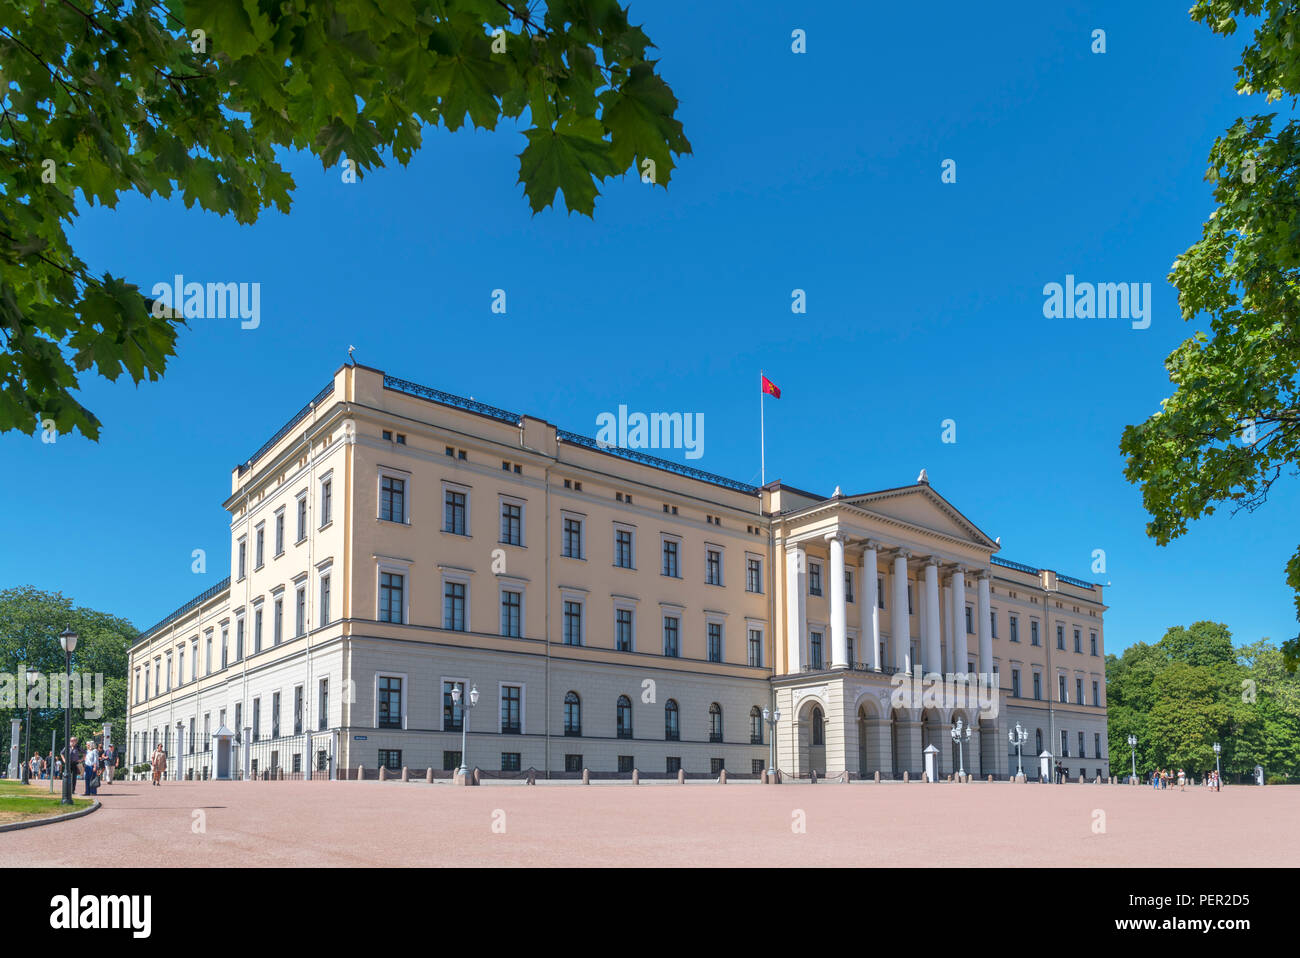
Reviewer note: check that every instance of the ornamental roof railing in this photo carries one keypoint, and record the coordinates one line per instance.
(667, 464)
(194, 603)
(1033, 570)
(283, 431)
(450, 399)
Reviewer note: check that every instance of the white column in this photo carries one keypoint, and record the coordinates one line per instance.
(796, 606)
(930, 657)
(948, 630)
(984, 627)
(869, 611)
(839, 608)
(960, 651)
(900, 623)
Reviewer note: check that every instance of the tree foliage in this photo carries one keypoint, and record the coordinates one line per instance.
(193, 98)
(30, 623)
(1194, 688)
(1232, 426)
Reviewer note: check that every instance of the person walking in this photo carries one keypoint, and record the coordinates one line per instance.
(1182, 780)
(159, 764)
(91, 766)
(110, 758)
(72, 758)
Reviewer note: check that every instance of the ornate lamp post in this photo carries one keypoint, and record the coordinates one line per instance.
(1132, 744)
(67, 639)
(1217, 749)
(1018, 736)
(464, 725)
(27, 748)
(961, 732)
(771, 718)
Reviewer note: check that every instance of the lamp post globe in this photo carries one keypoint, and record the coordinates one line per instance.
(68, 640)
(456, 698)
(1018, 736)
(961, 732)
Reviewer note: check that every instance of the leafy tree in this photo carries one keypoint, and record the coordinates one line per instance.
(194, 97)
(30, 623)
(1232, 426)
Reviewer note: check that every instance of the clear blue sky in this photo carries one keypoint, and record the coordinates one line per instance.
(819, 171)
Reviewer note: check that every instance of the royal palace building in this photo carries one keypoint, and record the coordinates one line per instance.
(612, 611)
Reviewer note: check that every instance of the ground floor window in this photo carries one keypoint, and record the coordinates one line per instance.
(509, 761)
(390, 758)
(757, 766)
(321, 760)
(297, 762)
(573, 763)
(625, 763)
(674, 764)
(450, 761)
(716, 765)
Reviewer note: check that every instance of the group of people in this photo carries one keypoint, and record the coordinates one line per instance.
(1167, 778)
(93, 763)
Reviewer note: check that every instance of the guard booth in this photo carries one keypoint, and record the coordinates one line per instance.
(931, 764)
(1045, 773)
(223, 743)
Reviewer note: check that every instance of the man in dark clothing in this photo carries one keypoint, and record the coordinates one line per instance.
(72, 757)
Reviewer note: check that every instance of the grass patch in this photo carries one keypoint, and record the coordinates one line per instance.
(22, 803)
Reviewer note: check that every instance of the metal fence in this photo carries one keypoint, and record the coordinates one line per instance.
(308, 756)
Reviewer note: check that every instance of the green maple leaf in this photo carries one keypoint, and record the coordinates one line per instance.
(570, 158)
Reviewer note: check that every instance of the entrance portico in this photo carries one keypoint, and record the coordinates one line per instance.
(889, 575)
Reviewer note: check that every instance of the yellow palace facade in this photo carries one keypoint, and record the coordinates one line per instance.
(393, 543)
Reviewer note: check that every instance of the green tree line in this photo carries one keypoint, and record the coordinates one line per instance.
(1194, 688)
(30, 623)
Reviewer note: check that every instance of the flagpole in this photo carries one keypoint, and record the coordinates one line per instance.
(762, 434)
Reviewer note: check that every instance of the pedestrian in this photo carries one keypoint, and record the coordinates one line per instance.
(159, 763)
(72, 758)
(1182, 780)
(110, 757)
(91, 766)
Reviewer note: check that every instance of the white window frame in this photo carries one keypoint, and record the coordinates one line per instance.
(468, 493)
(748, 557)
(326, 479)
(281, 527)
(759, 626)
(511, 584)
(625, 604)
(523, 702)
(406, 697)
(629, 528)
(504, 500)
(582, 535)
(722, 564)
(665, 537)
(305, 528)
(573, 595)
(463, 578)
(719, 619)
(388, 472)
(394, 567)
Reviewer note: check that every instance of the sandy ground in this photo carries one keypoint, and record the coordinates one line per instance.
(191, 824)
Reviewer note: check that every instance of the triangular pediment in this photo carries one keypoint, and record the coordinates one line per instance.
(919, 505)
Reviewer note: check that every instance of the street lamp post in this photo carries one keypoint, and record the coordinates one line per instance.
(1132, 744)
(771, 718)
(961, 732)
(27, 748)
(67, 639)
(1018, 737)
(464, 725)
(1218, 775)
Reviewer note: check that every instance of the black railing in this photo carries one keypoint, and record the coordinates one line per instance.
(194, 602)
(450, 399)
(666, 464)
(1018, 566)
(283, 431)
(1071, 580)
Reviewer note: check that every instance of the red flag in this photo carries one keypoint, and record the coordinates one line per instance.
(771, 388)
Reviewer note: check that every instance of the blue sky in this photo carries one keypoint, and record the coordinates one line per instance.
(818, 171)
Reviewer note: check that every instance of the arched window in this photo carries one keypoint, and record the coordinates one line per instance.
(715, 722)
(572, 714)
(623, 722)
(672, 730)
(1038, 742)
(818, 727)
(756, 726)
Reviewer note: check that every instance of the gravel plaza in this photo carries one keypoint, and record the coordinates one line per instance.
(663, 824)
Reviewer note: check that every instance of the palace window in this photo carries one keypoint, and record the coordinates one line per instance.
(672, 632)
(511, 608)
(756, 726)
(453, 606)
(715, 641)
(623, 630)
(390, 701)
(755, 647)
(623, 549)
(572, 622)
(392, 499)
(391, 586)
(815, 649)
(818, 727)
(1033, 632)
(572, 541)
(453, 712)
(512, 520)
(1015, 683)
(572, 714)
(1092, 642)
(814, 578)
(753, 574)
(672, 567)
(1060, 688)
(300, 613)
(715, 722)
(623, 717)
(1015, 628)
(454, 511)
(1078, 641)
(511, 709)
(713, 567)
(1096, 693)
(672, 730)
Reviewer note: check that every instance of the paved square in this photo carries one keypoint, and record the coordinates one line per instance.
(414, 824)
